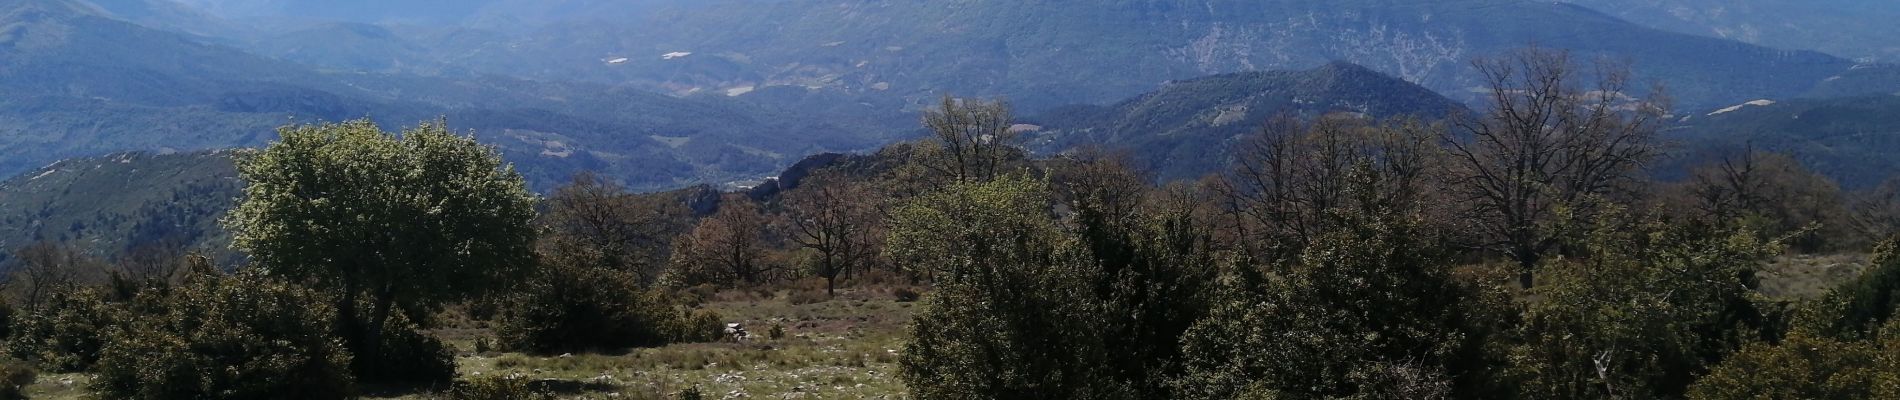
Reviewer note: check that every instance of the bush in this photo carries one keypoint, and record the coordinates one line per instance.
(15, 375)
(906, 295)
(691, 393)
(1805, 367)
(238, 337)
(697, 327)
(579, 308)
(497, 387)
(408, 357)
(799, 297)
(66, 333)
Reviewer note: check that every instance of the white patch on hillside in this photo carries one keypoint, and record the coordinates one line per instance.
(671, 141)
(739, 91)
(675, 55)
(1738, 107)
(43, 175)
(621, 60)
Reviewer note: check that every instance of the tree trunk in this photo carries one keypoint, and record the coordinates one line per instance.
(1526, 273)
(378, 322)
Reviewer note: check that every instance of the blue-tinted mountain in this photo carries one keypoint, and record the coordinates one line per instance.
(1855, 140)
(1049, 53)
(80, 82)
(1188, 128)
(1856, 29)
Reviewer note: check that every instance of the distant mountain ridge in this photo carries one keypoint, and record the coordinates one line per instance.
(1050, 53)
(1856, 29)
(81, 83)
(1187, 129)
(1854, 140)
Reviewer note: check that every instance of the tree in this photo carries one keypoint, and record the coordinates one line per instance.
(1875, 213)
(1012, 315)
(1152, 259)
(1555, 136)
(1774, 192)
(725, 248)
(43, 268)
(974, 138)
(394, 222)
(1642, 311)
(838, 219)
(1289, 178)
(626, 232)
(1369, 310)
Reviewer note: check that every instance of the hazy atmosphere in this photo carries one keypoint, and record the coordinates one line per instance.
(958, 199)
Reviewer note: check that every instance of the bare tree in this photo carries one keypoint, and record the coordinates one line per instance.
(1776, 191)
(974, 138)
(727, 247)
(1288, 180)
(1875, 212)
(620, 230)
(42, 268)
(158, 262)
(838, 219)
(1556, 138)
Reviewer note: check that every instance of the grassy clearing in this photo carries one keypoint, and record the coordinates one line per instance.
(1809, 276)
(834, 348)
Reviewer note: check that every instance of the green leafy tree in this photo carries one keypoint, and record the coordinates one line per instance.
(1371, 310)
(1804, 366)
(394, 223)
(1012, 316)
(226, 337)
(67, 331)
(1642, 311)
(1854, 309)
(1154, 263)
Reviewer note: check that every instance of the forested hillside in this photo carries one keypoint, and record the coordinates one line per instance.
(123, 203)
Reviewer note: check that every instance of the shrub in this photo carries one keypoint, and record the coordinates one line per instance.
(691, 393)
(697, 327)
(777, 332)
(799, 297)
(14, 376)
(1805, 367)
(906, 295)
(579, 308)
(407, 356)
(238, 337)
(67, 331)
(497, 387)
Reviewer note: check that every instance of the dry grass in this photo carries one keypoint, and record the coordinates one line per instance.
(843, 348)
(1798, 277)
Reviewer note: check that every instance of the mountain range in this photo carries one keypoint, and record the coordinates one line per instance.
(660, 94)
